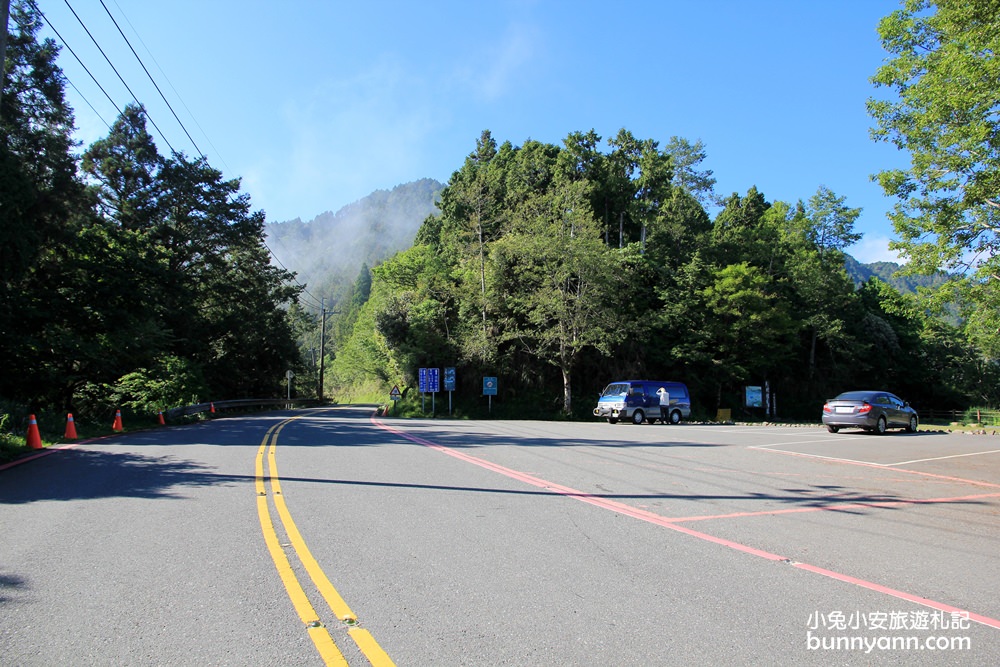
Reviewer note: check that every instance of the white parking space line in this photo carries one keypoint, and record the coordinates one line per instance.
(771, 448)
(884, 466)
(940, 458)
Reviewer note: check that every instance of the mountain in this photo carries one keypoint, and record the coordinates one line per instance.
(328, 251)
(885, 271)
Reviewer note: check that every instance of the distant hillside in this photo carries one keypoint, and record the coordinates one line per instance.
(860, 273)
(328, 251)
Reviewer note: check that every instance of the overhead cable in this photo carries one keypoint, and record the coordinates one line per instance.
(85, 68)
(193, 143)
(120, 78)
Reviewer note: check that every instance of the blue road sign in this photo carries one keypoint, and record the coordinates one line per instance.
(449, 379)
(433, 380)
(489, 386)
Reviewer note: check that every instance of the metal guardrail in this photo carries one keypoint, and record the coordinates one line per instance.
(198, 408)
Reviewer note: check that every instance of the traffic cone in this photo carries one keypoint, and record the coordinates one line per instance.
(70, 428)
(34, 439)
(117, 426)
(160, 418)
(211, 408)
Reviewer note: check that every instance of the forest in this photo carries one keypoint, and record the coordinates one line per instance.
(133, 280)
(558, 269)
(128, 280)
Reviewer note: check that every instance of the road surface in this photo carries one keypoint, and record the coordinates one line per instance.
(330, 536)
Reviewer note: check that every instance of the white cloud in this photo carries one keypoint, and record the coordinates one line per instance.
(873, 248)
(503, 63)
(354, 135)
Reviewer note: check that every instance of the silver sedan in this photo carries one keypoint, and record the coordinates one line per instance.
(873, 411)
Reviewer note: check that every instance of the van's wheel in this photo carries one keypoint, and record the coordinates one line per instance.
(638, 417)
(675, 417)
(612, 420)
(880, 425)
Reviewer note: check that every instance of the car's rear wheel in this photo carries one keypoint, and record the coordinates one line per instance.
(881, 425)
(675, 417)
(832, 429)
(612, 420)
(638, 417)
(912, 428)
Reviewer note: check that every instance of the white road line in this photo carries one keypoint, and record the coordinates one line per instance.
(939, 458)
(817, 456)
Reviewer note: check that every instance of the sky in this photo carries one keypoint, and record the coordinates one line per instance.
(315, 104)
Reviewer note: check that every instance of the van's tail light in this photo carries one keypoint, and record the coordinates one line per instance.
(865, 409)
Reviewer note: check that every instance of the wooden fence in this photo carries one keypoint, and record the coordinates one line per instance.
(973, 415)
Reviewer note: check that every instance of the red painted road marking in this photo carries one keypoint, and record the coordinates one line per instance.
(668, 523)
(44, 452)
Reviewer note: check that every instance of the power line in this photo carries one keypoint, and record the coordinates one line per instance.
(172, 87)
(85, 68)
(84, 98)
(316, 301)
(145, 69)
(120, 78)
(150, 78)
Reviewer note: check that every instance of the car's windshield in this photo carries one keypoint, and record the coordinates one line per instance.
(619, 389)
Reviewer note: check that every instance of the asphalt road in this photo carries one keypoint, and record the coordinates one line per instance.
(329, 536)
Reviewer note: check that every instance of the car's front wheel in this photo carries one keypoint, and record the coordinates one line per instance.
(832, 429)
(638, 417)
(675, 417)
(912, 428)
(881, 425)
(612, 420)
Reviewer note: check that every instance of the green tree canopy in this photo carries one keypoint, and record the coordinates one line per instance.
(944, 72)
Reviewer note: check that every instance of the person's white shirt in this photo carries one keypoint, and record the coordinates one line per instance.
(664, 396)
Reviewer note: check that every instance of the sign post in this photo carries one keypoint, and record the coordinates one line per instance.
(430, 382)
(433, 385)
(449, 384)
(490, 390)
(394, 396)
(422, 381)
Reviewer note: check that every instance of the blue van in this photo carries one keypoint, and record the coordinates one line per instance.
(638, 401)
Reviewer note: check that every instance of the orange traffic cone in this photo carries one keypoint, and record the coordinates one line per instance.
(117, 426)
(34, 439)
(160, 418)
(211, 408)
(70, 428)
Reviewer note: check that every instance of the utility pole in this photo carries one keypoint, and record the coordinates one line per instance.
(322, 347)
(4, 16)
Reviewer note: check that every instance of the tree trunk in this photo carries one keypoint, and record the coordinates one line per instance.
(812, 354)
(567, 392)
(566, 365)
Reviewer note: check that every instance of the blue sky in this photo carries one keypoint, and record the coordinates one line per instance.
(315, 104)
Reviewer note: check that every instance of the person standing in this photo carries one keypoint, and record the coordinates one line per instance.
(664, 405)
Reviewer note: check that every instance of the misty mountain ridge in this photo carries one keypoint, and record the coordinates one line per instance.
(886, 271)
(328, 252)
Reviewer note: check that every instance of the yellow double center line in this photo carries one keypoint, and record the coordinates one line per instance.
(318, 632)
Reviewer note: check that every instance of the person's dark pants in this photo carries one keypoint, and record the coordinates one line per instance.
(665, 414)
